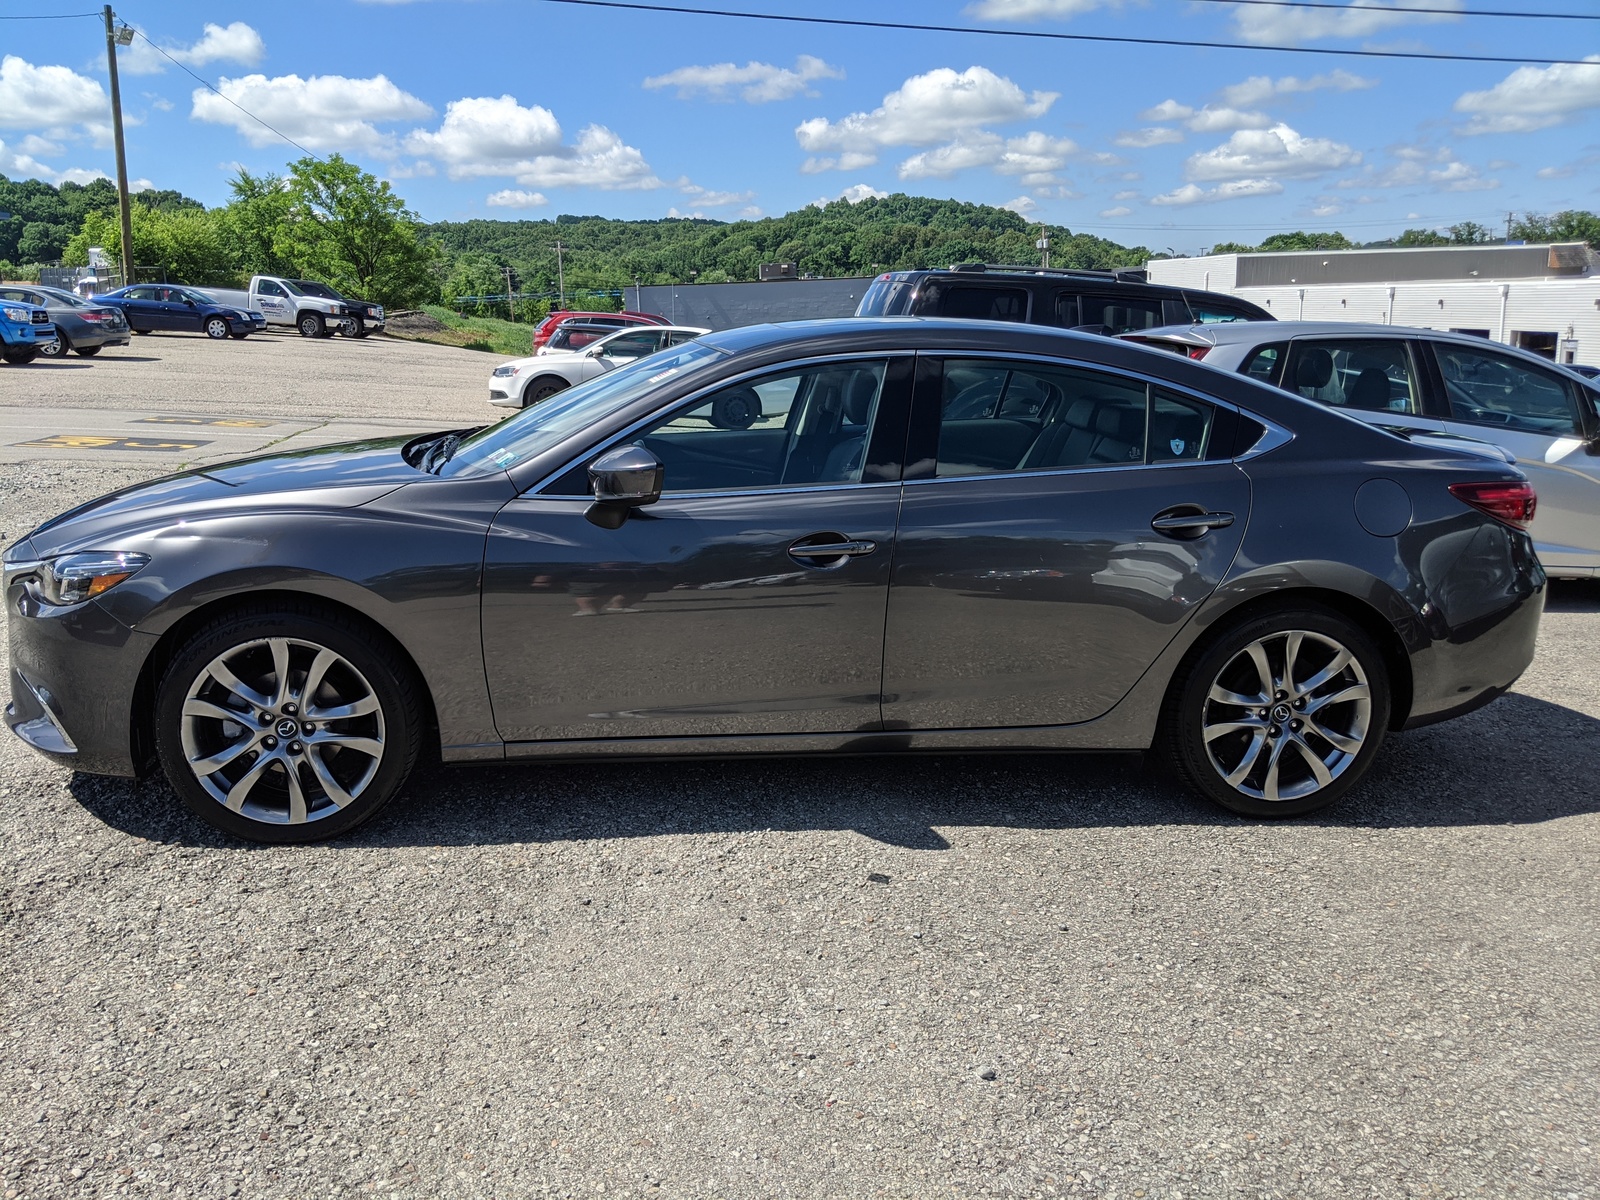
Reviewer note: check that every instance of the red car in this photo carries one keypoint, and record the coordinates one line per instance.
(613, 321)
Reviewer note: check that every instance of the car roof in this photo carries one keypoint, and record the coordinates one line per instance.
(1234, 333)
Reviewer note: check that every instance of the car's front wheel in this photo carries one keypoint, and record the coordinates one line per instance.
(19, 355)
(312, 325)
(286, 724)
(216, 328)
(1280, 715)
(543, 388)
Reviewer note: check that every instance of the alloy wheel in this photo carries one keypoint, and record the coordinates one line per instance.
(283, 731)
(1287, 715)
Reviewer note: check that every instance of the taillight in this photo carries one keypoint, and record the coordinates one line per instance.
(1198, 352)
(1512, 503)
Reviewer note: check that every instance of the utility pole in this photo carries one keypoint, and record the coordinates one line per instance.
(511, 305)
(561, 278)
(115, 37)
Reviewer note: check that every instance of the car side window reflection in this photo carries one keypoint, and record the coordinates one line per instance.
(797, 428)
(1506, 393)
(1000, 417)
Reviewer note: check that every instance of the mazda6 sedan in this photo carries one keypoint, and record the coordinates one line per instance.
(849, 537)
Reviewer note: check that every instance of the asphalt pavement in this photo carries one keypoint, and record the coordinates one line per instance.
(1021, 976)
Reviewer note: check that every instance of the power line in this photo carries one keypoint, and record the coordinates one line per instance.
(1396, 8)
(49, 16)
(1039, 34)
(229, 99)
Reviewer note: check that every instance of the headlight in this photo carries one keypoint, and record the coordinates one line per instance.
(74, 578)
(503, 372)
(21, 315)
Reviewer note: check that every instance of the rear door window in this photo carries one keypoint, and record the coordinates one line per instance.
(1501, 392)
(1266, 363)
(1066, 310)
(1363, 374)
(1122, 314)
(979, 303)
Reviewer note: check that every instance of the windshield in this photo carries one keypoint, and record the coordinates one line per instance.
(312, 288)
(545, 425)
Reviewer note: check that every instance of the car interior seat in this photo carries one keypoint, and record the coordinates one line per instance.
(1370, 390)
(1313, 368)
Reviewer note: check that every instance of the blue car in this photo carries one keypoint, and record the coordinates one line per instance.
(25, 331)
(168, 308)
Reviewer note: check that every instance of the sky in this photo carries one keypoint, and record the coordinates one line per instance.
(532, 108)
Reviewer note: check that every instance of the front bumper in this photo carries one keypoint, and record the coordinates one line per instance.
(504, 398)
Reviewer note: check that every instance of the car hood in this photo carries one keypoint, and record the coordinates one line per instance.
(542, 360)
(328, 477)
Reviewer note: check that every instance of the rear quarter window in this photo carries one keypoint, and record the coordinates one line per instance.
(975, 302)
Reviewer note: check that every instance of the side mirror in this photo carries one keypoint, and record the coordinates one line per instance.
(626, 478)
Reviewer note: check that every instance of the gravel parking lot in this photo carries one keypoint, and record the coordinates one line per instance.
(1026, 976)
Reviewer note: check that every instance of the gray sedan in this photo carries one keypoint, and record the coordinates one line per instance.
(81, 325)
(881, 536)
(1432, 382)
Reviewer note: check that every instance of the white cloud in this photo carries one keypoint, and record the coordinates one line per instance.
(484, 136)
(1291, 26)
(1241, 189)
(324, 112)
(1034, 10)
(753, 212)
(936, 107)
(1167, 110)
(855, 194)
(1259, 89)
(1221, 120)
(50, 98)
(1126, 195)
(850, 161)
(1434, 168)
(421, 169)
(161, 103)
(710, 199)
(512, 198)
(1120, 210)
(19, 162)
(1533, 98)
(1143, 139)
(1279, 152)
(236, 42)
(1022, 205)
(758, 82)
(1329, 209)
(1034, 156)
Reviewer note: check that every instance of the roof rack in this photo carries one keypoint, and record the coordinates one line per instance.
(1119, 274)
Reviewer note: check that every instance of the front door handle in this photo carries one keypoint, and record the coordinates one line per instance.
(1190, 524)
(831, 545)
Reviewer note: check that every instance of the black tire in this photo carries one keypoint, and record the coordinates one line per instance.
(355, 328)
(57, 348)
(19, 356)
(216, 328)
(239, 337)
(1311, 722)
(363, 332)
(738, 409)
(140, 331)
(329, 754)
(543, 388)
(87, 351)
(311, 325)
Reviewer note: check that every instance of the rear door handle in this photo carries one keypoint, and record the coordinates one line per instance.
(832, 549)
(1191, 524)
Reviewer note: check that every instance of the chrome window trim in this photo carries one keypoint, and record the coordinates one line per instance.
(1275, 437)
(1037, 472)
(694, 398)
(809, 489)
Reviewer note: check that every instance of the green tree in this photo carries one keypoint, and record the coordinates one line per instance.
(473, 275)
(353, 230)
(1570, 225)
(1300, 240)
(1421, 237)
(1470, 233)
(1233, 248)
(254, 220)
(181, 245)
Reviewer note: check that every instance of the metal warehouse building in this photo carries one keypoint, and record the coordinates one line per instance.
(1544, 298)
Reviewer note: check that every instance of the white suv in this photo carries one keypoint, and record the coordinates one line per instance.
(526, 381)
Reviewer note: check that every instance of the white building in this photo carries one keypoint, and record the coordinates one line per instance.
(1544, 298)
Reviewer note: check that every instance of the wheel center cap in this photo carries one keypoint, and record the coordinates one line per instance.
(287, 728)
(1281, 712)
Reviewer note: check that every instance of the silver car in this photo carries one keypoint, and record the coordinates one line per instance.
(1426, 380)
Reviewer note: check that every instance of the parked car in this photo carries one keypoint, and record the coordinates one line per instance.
(1429, 381)
(577, 332)
(149, 307)
(1586, 371)
(365, 317)
(80, 325)
(616, 320)
(1255, 585)
(25, 331)
(280, 301)
(525, 381)
(1109, 302)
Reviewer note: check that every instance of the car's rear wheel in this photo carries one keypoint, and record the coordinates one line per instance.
(543, 388)
(1280, 715)
(216, 328)
(311, 325)
(57, 348)
(87, 351)
(241, 335)
(284, 725)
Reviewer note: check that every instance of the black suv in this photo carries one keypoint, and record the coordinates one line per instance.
(1109, 302)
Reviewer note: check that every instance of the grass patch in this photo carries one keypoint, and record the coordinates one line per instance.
(505, 338)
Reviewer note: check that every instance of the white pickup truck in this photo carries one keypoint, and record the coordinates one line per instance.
(284, 302)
